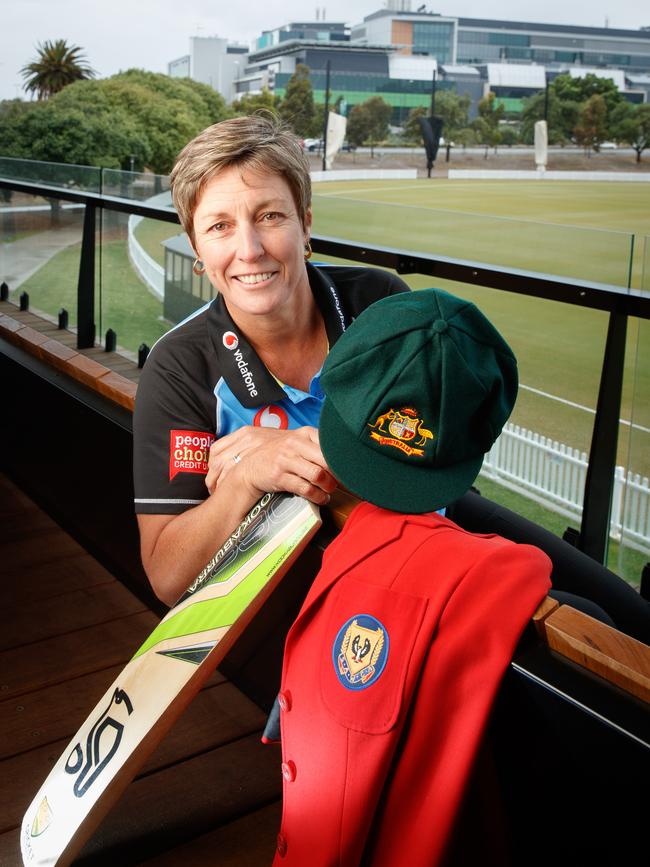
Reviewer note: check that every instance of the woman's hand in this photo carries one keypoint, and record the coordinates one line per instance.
(267, 459)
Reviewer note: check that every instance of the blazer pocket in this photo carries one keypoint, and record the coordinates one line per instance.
(371, 647)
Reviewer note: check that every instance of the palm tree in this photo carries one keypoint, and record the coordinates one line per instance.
(57, 65)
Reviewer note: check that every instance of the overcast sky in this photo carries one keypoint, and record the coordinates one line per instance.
(148, 33)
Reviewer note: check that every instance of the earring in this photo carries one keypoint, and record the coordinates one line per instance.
(198, 267)
(308, 250)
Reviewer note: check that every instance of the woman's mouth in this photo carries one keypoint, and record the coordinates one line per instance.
(252, 279)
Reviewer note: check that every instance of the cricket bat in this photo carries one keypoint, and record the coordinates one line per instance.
(162, 678)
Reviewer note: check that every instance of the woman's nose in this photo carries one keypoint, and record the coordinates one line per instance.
(249, 244)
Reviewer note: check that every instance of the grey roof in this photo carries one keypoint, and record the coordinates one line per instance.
(486, 23)
(179, 244)
(459, 69)
(494, 24)
(292, 46)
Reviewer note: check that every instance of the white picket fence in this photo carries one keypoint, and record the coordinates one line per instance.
(554, 475)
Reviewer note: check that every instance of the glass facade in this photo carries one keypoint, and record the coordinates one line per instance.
(435, 38)
(320, 35)
(508, 39)
(493, 46)
(401, 94)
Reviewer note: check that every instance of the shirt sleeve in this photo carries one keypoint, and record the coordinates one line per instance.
(173, 427)
(364, 286)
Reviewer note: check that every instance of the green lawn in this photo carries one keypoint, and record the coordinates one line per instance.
(573, 229)
(123, 304)
(600, 205)
(587, 230)
(150, 235)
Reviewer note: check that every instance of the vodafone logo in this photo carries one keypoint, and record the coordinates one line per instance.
(230, 340)
(272, 416)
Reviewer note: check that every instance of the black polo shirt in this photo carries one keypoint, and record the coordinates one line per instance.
(203, 380)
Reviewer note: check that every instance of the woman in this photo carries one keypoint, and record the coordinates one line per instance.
(229, 401)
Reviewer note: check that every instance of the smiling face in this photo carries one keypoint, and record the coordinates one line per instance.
(250, 238)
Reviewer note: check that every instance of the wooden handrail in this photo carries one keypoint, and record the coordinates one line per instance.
(594, 645)
(85, 370)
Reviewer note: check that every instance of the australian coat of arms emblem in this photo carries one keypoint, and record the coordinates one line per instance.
(405, 430)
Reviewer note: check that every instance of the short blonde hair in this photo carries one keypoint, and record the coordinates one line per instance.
(258, 142)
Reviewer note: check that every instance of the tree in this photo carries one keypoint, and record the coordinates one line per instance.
(452, 107)
(368, 122)
(465, 137)
(53, 134)
(561, 117)
(579, 90)
(168, 112)
(564, 103)
(412, 132)
(57, 65)
(202, 101)
(11, 113)
(297, 107)
(509, 136)
(631, 124)
(105, 122)
(249, 103)
(487, 123)
(71, 135)
(591, 128)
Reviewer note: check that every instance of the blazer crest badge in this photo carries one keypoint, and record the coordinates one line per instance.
(360, 651)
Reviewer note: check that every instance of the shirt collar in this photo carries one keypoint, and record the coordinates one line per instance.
(329, 303)
(239, 364)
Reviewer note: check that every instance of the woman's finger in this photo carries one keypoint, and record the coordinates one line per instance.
(267, 454)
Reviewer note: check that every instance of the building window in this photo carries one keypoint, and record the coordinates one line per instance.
(435, 38)
(508, 39)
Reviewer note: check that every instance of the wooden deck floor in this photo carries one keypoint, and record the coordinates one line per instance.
(67, 627)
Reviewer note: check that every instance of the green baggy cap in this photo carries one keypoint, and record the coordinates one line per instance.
(416, 391)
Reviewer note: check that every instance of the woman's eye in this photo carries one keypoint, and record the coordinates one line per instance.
(219, 227)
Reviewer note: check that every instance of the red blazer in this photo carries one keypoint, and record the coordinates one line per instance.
(390, 671)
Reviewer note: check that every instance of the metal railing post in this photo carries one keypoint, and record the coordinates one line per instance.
(599, 485)
(86, 284)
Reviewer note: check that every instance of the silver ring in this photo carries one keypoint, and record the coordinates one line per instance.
(236, 459)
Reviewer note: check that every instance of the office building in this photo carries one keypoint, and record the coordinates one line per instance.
(213, 61)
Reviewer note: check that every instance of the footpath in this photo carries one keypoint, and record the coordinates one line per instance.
(21, 258)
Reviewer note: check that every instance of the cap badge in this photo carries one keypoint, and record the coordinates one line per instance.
(404, 425)
(360, 651)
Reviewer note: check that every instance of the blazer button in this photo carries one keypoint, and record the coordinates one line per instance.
(284, 700)
(288, 771)
(282, 846)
